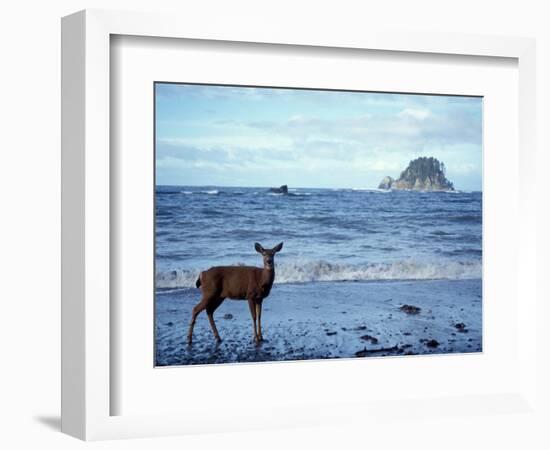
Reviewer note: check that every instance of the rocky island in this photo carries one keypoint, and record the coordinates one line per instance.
(422, 174)
(280, 190)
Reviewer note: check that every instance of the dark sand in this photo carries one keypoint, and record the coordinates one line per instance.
(327, 320)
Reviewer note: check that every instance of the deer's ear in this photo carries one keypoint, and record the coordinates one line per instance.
(258, 248)
(278, 248)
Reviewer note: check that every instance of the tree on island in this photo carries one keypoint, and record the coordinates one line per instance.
(422, 174)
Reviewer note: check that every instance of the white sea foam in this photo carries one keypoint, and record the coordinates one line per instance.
(301, 272)
(173, 279)
(212, 192)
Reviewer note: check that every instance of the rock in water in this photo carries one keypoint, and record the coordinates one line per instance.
(422, 174)
(386, 183)
(280, 190)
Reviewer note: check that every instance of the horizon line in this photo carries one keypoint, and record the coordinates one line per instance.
(299, 187)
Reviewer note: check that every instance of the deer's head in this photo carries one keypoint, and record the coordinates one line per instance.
(268, 254)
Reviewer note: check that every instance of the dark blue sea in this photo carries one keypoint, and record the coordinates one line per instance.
(328, 234)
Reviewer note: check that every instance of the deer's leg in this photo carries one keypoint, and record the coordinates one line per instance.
(252, 306)
(210, 314)
(196, 311)
(259, 316)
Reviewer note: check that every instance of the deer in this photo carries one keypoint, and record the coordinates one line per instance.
(237, 283)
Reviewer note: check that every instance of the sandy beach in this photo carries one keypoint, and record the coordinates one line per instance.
(322, 320)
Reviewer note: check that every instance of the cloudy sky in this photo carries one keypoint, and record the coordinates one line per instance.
(240, 136)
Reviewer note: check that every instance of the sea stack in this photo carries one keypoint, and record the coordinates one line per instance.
(280, 190)
(422, 174)
(386, 183)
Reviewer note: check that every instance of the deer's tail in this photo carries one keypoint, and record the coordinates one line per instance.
(198, 282)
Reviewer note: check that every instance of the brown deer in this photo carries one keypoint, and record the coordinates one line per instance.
(237, 283)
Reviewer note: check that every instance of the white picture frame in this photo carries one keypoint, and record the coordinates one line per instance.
(86, 220)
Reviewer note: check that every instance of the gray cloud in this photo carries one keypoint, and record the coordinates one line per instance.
(358, 149)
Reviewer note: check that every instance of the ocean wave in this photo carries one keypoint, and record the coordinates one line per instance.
(465, 218)
(173, 279)
(167, 192)
(210, 192)
(290, 194)
(441, 233)
(310, 271)
(384, 191)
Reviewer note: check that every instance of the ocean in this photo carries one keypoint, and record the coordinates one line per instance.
(328, 234)
(351, 243)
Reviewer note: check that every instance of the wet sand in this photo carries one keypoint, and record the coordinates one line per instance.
(323, 320)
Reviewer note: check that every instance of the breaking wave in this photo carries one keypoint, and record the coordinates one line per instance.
(301, 272)
(210, 192)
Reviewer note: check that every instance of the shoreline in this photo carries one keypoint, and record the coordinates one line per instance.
(183, 290)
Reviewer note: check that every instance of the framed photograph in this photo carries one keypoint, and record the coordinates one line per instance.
(317, 213)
